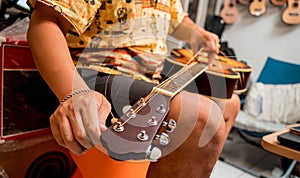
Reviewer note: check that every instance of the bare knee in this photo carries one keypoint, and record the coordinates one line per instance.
(199, 116)
(198, 138)
(213, 125)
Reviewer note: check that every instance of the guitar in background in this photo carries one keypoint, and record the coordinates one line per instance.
(291, 14)
(278, 2)
(235, 73)
(229, 11)
(258, 7)
(244, 2)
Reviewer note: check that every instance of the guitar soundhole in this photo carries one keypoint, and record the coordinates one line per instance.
(295, 4)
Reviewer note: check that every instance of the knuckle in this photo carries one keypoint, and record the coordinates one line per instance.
(70, 107)
(69, 140)
(81, 136)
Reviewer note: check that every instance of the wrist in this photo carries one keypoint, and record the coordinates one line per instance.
(74, 94)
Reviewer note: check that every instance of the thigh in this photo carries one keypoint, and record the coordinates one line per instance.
(194, 114)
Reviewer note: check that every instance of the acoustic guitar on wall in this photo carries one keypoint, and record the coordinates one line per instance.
(291, 14)
(278, 2)
(258, 7)
(229, 11)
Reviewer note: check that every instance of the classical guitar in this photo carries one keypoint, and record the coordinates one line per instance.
(229, 11)
(291, 14)
(225, 75)
(278, 2)
(258, 7)
(244, 2)
(135, 135)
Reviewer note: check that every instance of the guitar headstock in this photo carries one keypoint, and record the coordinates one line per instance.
(132, 136)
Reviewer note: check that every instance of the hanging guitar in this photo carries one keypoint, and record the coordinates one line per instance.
(220, 80)
(229, 11)
(139, 133)
(258, 7)
(278, 2)
(291, 14)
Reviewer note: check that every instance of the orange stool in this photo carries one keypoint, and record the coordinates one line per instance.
(95, 164)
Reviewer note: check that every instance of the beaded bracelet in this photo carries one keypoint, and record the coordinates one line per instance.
(75, 93)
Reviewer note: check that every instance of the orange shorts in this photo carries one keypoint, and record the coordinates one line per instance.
(95, 164)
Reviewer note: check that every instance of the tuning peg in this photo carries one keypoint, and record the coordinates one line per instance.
(131, 113)
(153, 121)
(161, 109)
(163, 139)
(154, 154)
(170, 126)
(118, 127)
(143, 136)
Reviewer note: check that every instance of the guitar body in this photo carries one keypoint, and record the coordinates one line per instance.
(258, 7)
(220, 80)
(244, 2)
(291, 15)
(229, 11)
(278, 2)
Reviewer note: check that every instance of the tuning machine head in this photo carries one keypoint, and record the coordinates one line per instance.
(118, 127)
(163, 139)
(170, 126)
(154, 153)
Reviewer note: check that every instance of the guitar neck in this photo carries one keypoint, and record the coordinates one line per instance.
(181, 79)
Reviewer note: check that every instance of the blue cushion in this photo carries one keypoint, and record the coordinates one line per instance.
(279, 72)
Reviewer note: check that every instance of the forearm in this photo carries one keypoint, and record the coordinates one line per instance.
(198, 38)
(186, 29)
(51, 54)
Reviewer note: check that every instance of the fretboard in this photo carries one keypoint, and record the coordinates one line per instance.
(181, 79)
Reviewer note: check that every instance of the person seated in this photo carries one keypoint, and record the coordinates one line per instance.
(122, 46)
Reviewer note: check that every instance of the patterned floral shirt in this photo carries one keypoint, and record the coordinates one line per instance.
(127, 35)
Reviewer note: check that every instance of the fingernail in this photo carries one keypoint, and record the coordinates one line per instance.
(103, 127)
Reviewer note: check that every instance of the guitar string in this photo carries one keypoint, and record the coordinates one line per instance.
(154, 92)
(242, 75)
(149, 97)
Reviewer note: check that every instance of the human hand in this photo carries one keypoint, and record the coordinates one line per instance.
(207, 41)
(78, 122)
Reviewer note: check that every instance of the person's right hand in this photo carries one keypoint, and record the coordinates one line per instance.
(78, 122)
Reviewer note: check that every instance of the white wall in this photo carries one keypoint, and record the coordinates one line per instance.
(256, 38)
